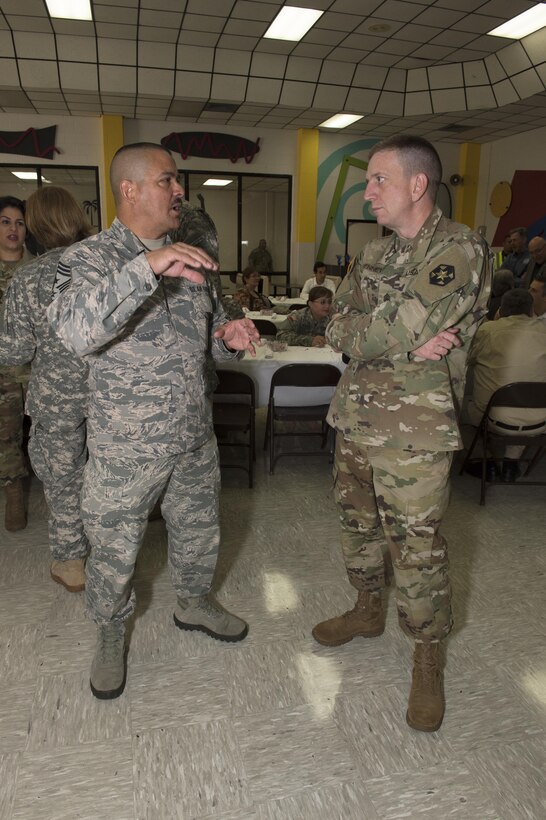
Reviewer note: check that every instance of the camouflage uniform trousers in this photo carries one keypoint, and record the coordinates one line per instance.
(119, 494)
(58, 458)
(394, 500)
(12, 459)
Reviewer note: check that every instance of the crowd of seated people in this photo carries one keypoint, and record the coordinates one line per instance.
(510, 349)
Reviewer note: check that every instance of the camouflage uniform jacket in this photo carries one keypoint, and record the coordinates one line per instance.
(261, 260)
(302, 328)
(252, 301)
(145, 340)
(7, 269)
(57, 391)
(399, 294)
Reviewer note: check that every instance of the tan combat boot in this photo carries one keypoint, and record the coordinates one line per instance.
(15, 514)
(365, 620)
(426, 703)
(71, 573)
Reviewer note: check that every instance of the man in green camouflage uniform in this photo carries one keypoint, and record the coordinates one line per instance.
(142, 314)
(405, 315)
(13, 380)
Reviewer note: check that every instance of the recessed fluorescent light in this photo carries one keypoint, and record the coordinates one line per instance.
(341, 120)
(217, 183)
(70, 9)
(29, 175)
(522, 25)
(292, 23)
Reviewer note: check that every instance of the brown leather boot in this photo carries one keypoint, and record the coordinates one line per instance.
(426, 703)
(365, 620)
(15, 517)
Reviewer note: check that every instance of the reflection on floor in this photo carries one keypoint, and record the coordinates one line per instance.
(278, 727)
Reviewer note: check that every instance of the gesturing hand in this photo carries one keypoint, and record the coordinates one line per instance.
(239, 334)
(180, 260)
(439, 346)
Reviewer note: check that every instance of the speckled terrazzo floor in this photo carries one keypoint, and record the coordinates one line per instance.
(277, 727)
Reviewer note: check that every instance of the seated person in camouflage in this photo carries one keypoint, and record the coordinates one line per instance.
(56, 398)
(139, 310)
(248, 296)
(307, 328)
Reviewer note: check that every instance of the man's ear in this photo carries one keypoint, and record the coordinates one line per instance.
(420, 186)
(127, 189)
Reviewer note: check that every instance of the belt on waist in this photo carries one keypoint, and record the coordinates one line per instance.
(521, 428)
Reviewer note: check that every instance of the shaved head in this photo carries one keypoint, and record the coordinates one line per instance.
(131, 162)
(537, 243)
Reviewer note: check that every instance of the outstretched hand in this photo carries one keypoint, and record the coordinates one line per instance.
(180, 260)
(239, 334)
(439, 346)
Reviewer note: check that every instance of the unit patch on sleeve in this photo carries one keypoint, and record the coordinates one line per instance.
(442, 275)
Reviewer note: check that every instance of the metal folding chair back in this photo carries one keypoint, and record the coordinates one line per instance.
(309, 376)
(234, 411)
(530, 395)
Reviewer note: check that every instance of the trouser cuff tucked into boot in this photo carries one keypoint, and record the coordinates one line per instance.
(365, 620)
(426, 703)
(109, 667)
(70, 573)
(204, 614)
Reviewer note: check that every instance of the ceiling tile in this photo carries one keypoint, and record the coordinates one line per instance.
(397, 10)
(122, 79)
(226, 88)
(448, 76)
(252, 28)
(310, 50)
(34, 46)
(370, 77)
(201, 22)
(237, 42)
(339, 22)
(527, 83)
(475, 73)
(504, 92)
(158, 55)
(263, 90)
(390, 102)
(80, 49)
(297, 93)
(160, 19)
(158, 35)
(418, 102)
(152, 79)
(349, 55)
(197, 38)
(117, 52)
(220, 8)
(264, 12)
(480, 96)
(268, 65)
(330, 97)
(362, 100)
(39, 74)
(194, 58)
(192, 85)
(417, 34)
(514, 59)
(396, 80)
(20, 23)
(231, 62)
(115, 14)
(336, 72)
(448, 99)
(116, 30)
(303, 68)
(438, 17)
(477, 23)
(417, 80)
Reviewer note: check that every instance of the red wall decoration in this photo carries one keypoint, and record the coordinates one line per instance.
(528, 206)
(211, 145)
(34, 142)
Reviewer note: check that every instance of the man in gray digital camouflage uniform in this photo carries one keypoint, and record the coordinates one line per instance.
(405, 315)
(56, 398)
(138, 309)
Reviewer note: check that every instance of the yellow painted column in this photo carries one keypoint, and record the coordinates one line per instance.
(112, 139)
(305, 225)
(467, 193)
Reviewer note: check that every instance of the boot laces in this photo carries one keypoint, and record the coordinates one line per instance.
(110, 643)
(427, 672)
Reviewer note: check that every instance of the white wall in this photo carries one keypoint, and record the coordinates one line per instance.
(498, 162)
(78, 138)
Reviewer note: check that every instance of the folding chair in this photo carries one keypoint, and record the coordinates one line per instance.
(307, 376)
(265, 327)
(233, 411)
(518, 394)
